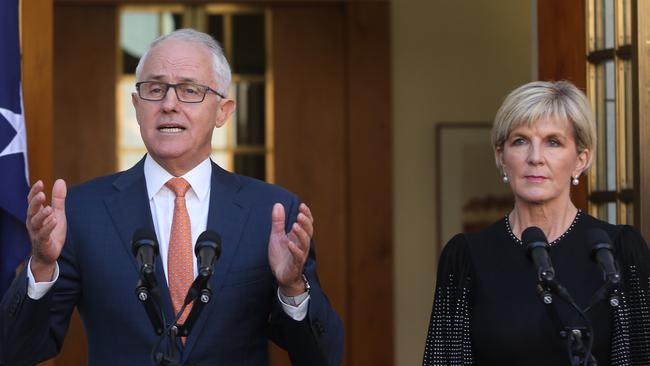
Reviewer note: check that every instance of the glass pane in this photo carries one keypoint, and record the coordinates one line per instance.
(252, 165)
(248, 44)
(628, 179)
(250, 113)
(220, 136)
(609, 23)
(610, 113)
(215, 27)
(223, 159)
(627, 22)
(128, 128)
(127, 159)
(607, 212)
(605, 109)
(598, 31)
(138, 29)
(603, 11)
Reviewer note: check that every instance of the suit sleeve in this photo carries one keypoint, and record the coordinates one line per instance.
(318, 339)
(33, 330)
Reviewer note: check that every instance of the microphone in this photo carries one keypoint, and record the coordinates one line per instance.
(207, 250)
(537, 251)
(145, 249)
(602, 253)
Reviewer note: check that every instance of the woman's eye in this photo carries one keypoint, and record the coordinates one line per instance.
(554, 142)
(518, 141)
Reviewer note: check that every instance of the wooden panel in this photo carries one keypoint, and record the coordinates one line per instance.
(562, 48)
(642, 99)
(370, 276)
(36, 35)
(84, 91)
(310, 130)
(37, 88)
(84, 113)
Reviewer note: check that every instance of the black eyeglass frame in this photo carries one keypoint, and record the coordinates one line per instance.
(169, 86)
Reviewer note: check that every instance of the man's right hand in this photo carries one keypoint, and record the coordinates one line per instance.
(47, 227)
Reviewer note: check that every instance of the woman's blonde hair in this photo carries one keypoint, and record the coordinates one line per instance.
(559, 100)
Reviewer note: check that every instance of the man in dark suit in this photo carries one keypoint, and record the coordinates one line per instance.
(264, 286)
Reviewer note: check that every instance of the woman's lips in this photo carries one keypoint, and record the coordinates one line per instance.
(535, 178)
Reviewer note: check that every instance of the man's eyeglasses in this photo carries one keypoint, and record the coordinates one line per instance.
(185, 92)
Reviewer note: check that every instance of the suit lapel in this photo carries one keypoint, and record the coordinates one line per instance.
(130, 210)
(227, 215)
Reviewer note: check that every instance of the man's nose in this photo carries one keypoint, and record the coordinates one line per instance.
(170, 101)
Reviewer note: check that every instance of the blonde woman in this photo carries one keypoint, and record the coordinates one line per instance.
(487, 310)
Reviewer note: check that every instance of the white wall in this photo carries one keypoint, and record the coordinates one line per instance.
(453, 61)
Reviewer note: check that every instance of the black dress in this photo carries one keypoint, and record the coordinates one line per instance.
(487, 310)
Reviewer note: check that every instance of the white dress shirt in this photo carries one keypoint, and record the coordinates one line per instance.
(161, 201)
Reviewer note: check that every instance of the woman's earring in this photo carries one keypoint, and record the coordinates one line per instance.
(505, 179)
(575, 181)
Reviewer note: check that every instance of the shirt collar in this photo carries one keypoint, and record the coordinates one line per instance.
(199, 177)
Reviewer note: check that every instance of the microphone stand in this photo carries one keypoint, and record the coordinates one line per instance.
(205, 295)
(148, 294)
(579, 339)
(201, 291)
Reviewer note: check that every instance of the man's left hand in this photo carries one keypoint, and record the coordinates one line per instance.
(288, 252)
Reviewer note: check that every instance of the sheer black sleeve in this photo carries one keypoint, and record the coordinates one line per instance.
(448, 340)
(631, 337)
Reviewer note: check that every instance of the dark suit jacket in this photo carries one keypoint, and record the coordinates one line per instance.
(98, 274)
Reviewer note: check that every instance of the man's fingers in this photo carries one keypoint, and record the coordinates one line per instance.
(35, 204)
(48, 225)
(305, 210)
(59, 191)
(306, 224)
(37, 221)
(43, 234)
(298, 254)
(277, 219)
(37, 187)
(303, 237)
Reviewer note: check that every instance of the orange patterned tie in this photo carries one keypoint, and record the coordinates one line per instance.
(180, 268)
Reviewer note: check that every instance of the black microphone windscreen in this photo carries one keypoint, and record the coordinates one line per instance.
(141, 236)
(533, 238)
(209, 236)
(533, 234)
(598, 239)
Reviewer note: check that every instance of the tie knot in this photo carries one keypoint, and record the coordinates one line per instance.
(179, 186)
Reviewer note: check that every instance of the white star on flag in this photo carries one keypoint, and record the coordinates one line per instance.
(19, 143)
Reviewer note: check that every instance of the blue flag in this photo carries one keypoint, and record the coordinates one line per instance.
(14, 186)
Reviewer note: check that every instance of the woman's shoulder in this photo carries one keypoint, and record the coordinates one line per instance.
(455, 255)
(460, 249)
(627, 241)
(616, 232)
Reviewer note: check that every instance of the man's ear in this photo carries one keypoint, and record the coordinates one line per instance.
(135, 101)
(226, 108)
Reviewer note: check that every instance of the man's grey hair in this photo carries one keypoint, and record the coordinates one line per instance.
(221, 67)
